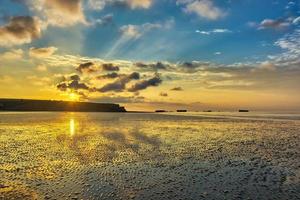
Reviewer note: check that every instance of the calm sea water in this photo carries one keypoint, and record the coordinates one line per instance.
(149, 156)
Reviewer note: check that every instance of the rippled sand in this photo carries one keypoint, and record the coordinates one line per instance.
(148, 156)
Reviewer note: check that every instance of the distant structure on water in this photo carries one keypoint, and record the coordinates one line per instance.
(48, 105)
(242, 110)
(181, 110)
(159, 111)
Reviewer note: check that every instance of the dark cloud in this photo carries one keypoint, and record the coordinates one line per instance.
(19, 30)
(120, 84)
(152, 66)
(73, 85)
(75, 77)
(143, 84)
(87, 67)
(177, 89)
(163, 94)
(72, 82)
(110, 67)
(134, 76)
(117, 86)
(62, 86)
(192, 67)
(109, 76)
(76, 85)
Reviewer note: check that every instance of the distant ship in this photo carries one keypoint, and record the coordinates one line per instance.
(158, 111)
(181, 110)
(49, 105)
(242, 110)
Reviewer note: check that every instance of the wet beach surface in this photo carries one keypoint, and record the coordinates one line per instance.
(148, 156)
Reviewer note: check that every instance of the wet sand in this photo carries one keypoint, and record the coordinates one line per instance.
(148, 156)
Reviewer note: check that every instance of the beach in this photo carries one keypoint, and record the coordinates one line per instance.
(63, 155)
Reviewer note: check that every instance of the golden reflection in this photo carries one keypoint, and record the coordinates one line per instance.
(72, 127)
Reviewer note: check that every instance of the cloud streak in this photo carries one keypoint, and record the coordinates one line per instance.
(214, 31)
(132, 4)
(42, 52)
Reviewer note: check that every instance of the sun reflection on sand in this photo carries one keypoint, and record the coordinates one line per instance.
(72, 127)
(85, 155)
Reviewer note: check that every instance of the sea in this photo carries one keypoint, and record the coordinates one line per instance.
(217, 155)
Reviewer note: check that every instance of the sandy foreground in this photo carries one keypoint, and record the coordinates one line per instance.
(148, 156)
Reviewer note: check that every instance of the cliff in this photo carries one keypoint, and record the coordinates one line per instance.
(48, 105)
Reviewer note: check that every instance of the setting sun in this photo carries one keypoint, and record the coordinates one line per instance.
(73, 97)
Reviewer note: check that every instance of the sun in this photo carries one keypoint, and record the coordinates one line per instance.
(73, 97)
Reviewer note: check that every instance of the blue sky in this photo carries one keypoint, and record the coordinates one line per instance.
(178, 42)
(212, 36)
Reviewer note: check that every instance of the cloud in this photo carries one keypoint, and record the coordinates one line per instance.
(96, 4)
(14, 54)
(133, 4)
(177, 89)
(110, 67)
(60, 13)
(290, 43)
(117, 86)
(203, 8)
(103, 21)
(41, 68)
(19, 30)
(38, 81)
(131, 31)
(144, 84)
(75, 77)
(108, 76)
(120, 84)
(163, 94)
(152, 66)
(265, 66)
(88, 67)
(273, 24)
(192, 67)
(296, 20)
(73, 83)
(136, 31)
(214, 31)
(41, 52)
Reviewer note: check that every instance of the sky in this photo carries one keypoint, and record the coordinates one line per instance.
(153, 54)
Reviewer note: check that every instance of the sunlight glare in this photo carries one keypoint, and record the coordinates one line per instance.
(72, 127)
(73, 97)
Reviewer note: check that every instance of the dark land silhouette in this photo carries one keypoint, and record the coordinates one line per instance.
(49, 105)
